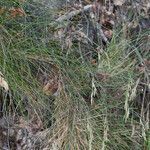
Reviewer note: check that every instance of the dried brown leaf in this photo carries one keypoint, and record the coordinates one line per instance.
(102, 76)
(108, 33)
(119, 2)
(3, 83)
(51, 87)
(14, 12)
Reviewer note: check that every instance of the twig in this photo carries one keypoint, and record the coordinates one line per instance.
(73, 13)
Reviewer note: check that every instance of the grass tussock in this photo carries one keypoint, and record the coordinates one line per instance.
(101, 105)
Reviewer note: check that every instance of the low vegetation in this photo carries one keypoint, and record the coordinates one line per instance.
(81, 83)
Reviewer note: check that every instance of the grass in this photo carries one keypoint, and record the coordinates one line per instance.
(95, 107)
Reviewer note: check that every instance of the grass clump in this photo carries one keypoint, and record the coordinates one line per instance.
(90, 105)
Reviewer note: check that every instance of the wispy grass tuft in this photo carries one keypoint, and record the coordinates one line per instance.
(96, 104)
